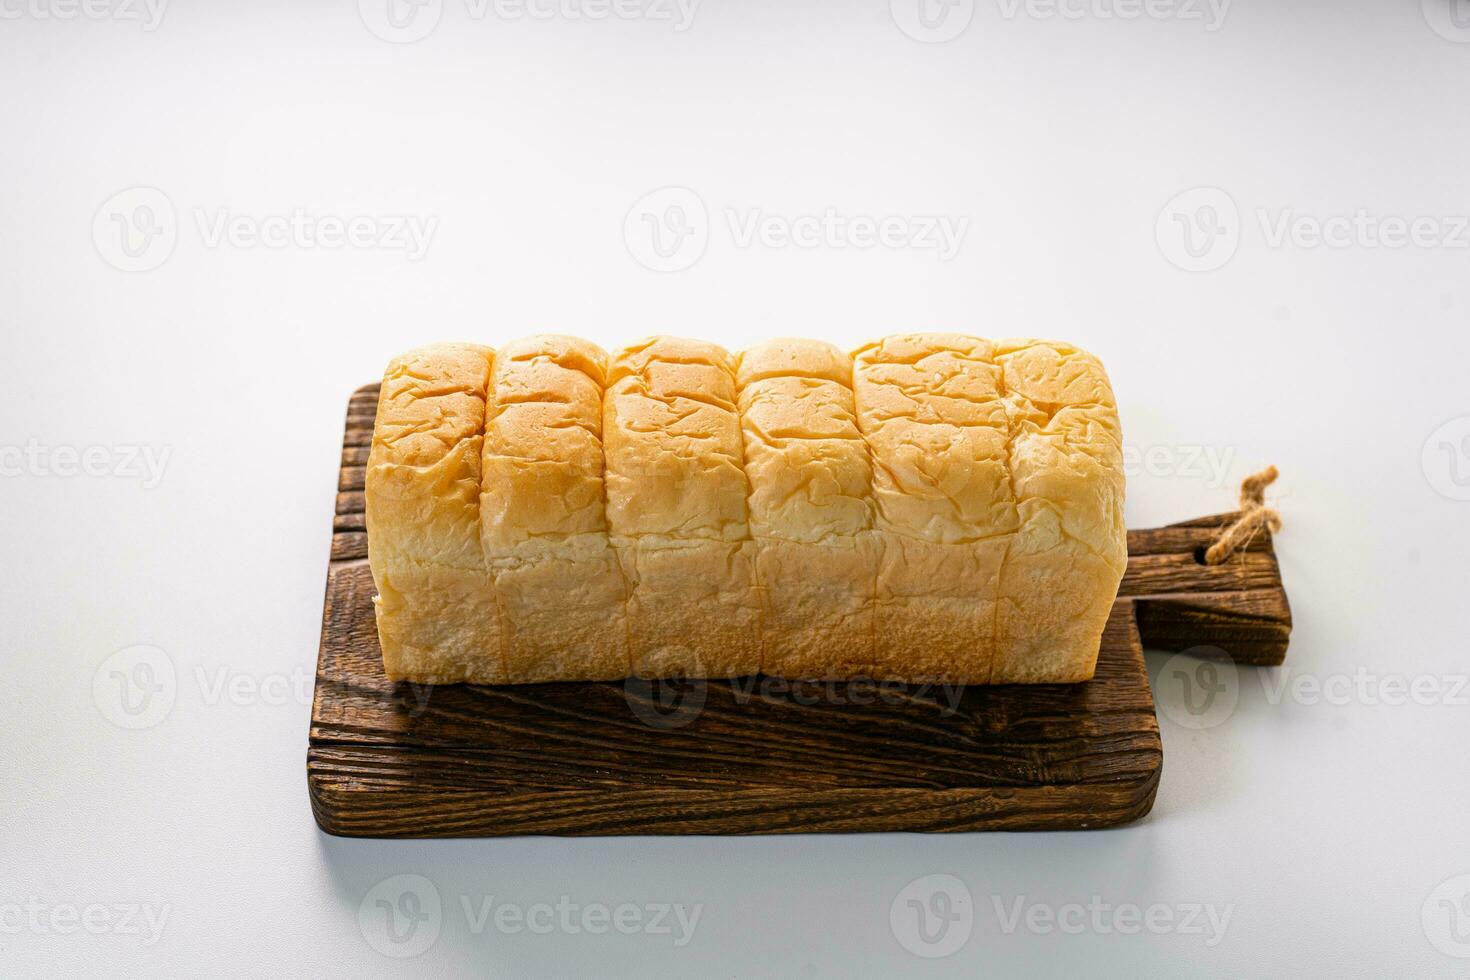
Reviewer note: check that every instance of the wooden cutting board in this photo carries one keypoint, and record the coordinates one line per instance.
(760, 755)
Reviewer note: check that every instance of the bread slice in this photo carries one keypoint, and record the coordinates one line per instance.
(929, 407)
(436, 609)
(543, 524)
(677, 512)
(811, 510)
(1069, 553)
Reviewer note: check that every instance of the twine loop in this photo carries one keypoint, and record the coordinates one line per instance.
(1254, 515)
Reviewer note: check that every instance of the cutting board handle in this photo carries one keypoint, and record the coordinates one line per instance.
(1236, 610)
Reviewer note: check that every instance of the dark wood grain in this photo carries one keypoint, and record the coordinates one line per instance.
(761, 755)
(1236, 610)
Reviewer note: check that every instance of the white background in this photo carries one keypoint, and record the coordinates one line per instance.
(1325, 828)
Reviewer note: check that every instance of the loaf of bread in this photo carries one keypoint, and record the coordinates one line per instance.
(929, 507)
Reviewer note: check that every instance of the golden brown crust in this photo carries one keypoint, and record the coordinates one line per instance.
(932, 506)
